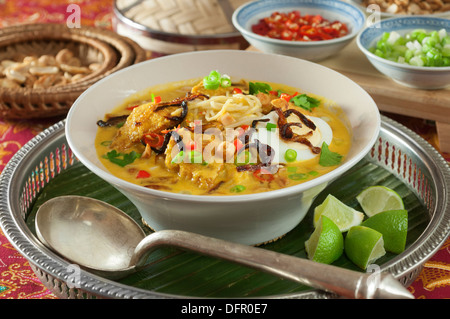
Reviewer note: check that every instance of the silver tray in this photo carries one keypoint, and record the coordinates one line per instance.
(398, 150)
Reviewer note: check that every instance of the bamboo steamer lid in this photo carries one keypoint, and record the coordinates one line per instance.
(174, 26)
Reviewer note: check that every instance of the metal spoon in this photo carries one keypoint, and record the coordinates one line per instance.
(104, 240)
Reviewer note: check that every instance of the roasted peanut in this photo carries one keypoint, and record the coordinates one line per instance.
(411, 7)
(43, 71)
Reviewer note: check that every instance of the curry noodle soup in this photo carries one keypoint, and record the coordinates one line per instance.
(221, 136)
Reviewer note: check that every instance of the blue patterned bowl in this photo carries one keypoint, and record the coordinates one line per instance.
(405, 74)
(250, 13)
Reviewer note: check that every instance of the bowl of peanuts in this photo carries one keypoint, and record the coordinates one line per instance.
(393, 8)
(45, 67)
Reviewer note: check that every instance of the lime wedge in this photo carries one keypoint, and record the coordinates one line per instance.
(326, 243)
(393, 224)
(364, 245)
(342, 215)
(377, 199)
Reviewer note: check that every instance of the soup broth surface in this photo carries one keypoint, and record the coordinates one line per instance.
(247, 137)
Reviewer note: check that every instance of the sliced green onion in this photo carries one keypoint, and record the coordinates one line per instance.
(298, 176)
(244, 158)
(290, 155)
(418, 48)
(195, 157)
(292, 169)
(271, 126)
(225, 81)
(237, 189)
(106, 143)
(214, 80)
(210, 85)
(177, 159)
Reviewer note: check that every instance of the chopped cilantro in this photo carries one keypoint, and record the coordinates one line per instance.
(305, 101)
(329, 158)
(255, 87)
(120, 158)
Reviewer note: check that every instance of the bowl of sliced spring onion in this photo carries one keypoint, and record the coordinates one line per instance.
(413, 51)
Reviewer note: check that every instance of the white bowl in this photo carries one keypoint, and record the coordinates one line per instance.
(247, 219)
(250, 13)
(405, 74)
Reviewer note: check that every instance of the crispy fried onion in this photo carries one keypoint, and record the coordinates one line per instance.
(183, 102)
(265, 153)
(167, 138)
(112, 121)
(287, 133)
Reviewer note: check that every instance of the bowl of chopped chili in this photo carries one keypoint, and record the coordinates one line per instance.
(311, 30)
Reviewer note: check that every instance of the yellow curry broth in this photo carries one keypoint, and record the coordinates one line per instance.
(217, 178)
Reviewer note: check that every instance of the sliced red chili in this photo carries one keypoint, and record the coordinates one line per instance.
(238, 144)
(309, 31)
(293, 26)
(132, 107)
(143, 174)
(191, 145)
(287, 35)
(263, 175)
(317, 19)
(286, 97)
(153, 139)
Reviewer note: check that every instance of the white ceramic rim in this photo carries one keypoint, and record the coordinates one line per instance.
(299, 44)
(392, 63)
(292, 190)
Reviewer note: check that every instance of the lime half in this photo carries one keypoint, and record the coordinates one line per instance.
(364, 245)
(377, 199)
(342, 215)
(326, 243)
(393, 224)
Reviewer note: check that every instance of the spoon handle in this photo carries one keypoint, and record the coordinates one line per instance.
(344, 282)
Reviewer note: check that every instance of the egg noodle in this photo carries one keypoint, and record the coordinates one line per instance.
(243, 108)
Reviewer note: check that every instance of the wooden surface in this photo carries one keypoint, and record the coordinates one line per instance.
(392, 97)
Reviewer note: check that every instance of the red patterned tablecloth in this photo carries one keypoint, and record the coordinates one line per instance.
(17, 280)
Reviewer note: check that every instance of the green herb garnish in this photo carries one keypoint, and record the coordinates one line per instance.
(305, 101)
(329, 158)
(121, 159)
(255, 87)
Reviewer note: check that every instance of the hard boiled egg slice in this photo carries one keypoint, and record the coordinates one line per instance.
(322, 133)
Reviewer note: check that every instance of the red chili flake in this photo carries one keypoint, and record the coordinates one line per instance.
(143, 174)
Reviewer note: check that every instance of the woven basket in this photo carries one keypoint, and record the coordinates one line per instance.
(110, 50)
